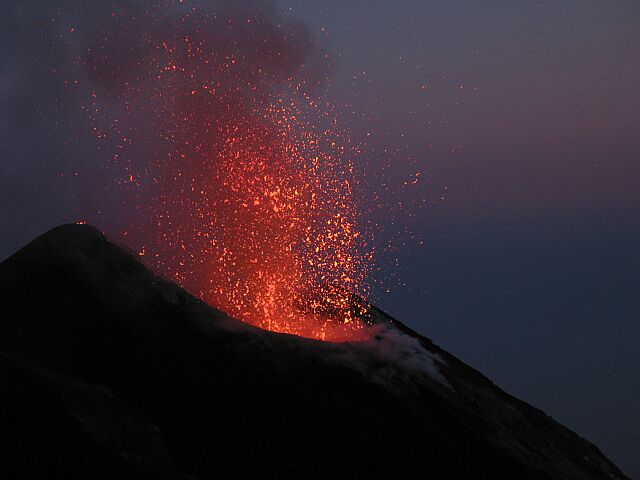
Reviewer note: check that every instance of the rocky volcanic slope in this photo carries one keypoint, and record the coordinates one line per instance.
(108, 371)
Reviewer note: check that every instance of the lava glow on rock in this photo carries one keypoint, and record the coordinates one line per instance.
(242, 184)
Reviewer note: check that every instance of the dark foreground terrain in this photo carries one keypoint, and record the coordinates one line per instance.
(107, 371)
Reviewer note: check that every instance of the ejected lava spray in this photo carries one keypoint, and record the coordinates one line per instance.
(242, 183)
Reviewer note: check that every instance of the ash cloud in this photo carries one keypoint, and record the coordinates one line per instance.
(77, 117)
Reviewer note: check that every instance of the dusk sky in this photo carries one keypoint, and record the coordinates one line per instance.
(517, 248)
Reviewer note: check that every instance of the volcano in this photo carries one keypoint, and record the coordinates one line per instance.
(109, 371)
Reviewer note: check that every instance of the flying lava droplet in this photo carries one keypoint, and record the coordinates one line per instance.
(244, 185)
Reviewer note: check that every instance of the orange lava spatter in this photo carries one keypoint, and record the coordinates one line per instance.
(242, 186)
(274, 232)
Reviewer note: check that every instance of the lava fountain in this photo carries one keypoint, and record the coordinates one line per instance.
(286, 252)
(243, 186)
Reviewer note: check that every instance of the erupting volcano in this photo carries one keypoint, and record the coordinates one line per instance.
(204, 218)
(243, 184)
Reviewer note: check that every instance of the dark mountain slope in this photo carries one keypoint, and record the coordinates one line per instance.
(111, 372)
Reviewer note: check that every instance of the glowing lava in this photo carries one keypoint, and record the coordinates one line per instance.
(271, 234)
(245, 188)
(283, 230)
